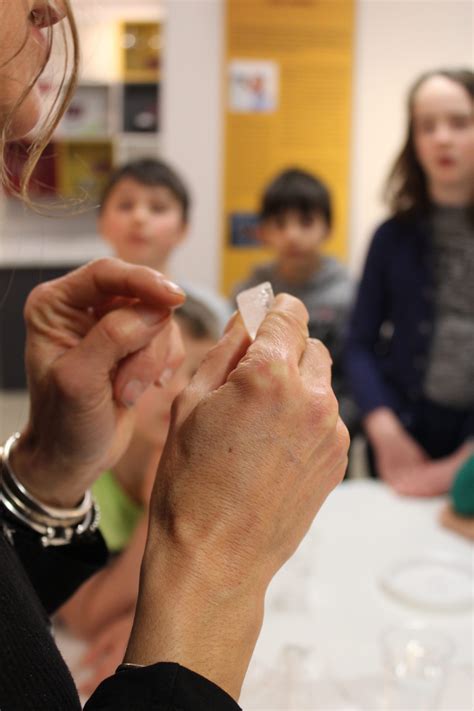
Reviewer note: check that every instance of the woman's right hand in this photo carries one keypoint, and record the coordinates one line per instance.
(255, 447)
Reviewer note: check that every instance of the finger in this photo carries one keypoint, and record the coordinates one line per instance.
(283, 333)
(316, 365)
(154, 364)
(89, 366)
(217, 365)
(98, 282)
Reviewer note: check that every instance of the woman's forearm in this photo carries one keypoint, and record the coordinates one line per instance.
(183, 617)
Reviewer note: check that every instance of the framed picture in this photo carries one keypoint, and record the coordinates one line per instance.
(243, 229)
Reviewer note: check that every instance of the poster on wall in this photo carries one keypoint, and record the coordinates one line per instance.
(288, 104)
(253, 86)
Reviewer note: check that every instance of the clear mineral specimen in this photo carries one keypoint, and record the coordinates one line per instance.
(253, 306)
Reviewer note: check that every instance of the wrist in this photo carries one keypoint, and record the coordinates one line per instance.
(188, 615)
(33, 469)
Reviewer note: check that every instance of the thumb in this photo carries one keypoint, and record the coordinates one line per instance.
(117, 335)
(218, 364)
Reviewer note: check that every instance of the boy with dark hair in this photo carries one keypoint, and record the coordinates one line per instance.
(144, 212)
(144, 216)
(295, 221)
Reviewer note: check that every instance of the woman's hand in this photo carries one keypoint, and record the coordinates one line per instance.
(255, 447)
(96, 339)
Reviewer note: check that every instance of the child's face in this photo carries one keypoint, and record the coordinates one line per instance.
(294, 236)
(153, 409)
(142, 223)
(443, 129)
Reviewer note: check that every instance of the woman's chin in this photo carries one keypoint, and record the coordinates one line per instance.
(25, 118)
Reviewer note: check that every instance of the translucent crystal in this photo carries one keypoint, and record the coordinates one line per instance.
(253, 305)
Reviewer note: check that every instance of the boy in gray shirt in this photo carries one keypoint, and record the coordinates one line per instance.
(295, 221)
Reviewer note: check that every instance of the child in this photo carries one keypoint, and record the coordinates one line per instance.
(102, 610)
(295, 221)
(144, 216)
(410, 353)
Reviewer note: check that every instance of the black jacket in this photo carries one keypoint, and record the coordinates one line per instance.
(34, 581)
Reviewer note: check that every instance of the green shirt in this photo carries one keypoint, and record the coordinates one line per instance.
(119, 514)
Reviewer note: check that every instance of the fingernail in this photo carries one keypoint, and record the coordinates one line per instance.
(150, 316)
(132, 392)
(165, 377)
(174, 288)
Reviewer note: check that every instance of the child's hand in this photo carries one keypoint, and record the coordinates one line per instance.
(435, 477)
(397, 454)
(106, 652)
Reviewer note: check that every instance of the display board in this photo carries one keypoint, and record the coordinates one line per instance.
(288, 79)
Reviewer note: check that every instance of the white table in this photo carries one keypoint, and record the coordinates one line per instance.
(327, 598)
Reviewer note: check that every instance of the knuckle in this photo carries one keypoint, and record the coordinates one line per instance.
(65, 383)
(283, 322)
(324, 408)
(101, 263)
(266, 378)
(114, 329)
(298, 309)
(319, 349)
(343, 437)
(36, 299)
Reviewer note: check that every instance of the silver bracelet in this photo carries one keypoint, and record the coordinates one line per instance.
(56, 526)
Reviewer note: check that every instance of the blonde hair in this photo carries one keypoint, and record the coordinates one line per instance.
(64, 93)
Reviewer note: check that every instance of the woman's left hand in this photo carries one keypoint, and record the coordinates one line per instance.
(96, 339)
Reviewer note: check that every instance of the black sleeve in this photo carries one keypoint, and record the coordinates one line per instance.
(55, 572)
(160, 687)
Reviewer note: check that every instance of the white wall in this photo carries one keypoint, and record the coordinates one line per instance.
(395, 41)
(192, 126)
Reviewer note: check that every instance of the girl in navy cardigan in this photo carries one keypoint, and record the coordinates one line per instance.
(410, 348)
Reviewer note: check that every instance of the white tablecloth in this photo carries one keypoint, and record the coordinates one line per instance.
(327, 601)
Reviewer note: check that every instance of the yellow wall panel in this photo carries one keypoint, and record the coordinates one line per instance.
(307, 45)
